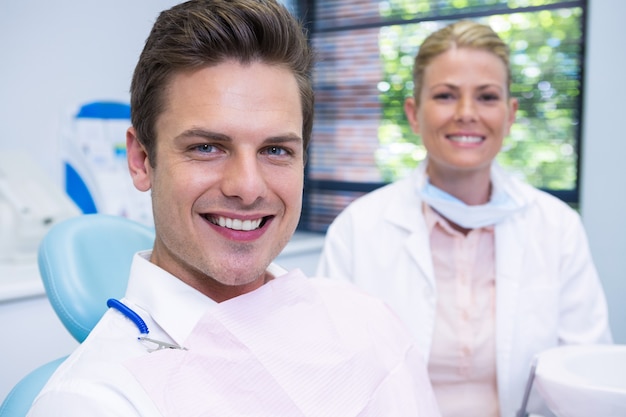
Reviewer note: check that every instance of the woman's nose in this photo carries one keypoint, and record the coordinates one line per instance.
(466, 110)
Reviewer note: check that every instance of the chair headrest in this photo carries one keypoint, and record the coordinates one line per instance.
(85, 260)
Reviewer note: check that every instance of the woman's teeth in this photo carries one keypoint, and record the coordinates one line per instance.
(466, 139)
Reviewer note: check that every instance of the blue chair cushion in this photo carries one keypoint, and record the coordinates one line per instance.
(84, 261)
(21, 397)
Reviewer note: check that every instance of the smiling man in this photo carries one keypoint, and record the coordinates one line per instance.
(222, 110)
(226, 194)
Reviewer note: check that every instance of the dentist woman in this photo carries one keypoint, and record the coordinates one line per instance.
(486, 270)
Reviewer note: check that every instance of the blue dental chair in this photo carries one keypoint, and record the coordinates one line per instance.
(83, 261)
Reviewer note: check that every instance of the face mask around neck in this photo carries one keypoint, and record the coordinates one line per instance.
(500, 206)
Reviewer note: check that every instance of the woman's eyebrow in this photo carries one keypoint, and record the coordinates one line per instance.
(456, 87)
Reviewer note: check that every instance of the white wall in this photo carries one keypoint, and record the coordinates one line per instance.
(58, 54)
(603, 185)
(55, 56)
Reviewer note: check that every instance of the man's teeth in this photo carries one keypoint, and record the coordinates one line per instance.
(237, 224)
(466, 139)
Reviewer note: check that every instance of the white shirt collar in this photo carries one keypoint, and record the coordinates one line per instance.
(173, 305)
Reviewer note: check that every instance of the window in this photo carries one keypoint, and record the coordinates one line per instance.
(361, 139)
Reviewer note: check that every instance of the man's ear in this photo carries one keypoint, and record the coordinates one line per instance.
(138, 162)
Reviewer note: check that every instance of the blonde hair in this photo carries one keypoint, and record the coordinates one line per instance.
(461, 34)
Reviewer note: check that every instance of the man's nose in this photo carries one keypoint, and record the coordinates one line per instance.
(243, 178)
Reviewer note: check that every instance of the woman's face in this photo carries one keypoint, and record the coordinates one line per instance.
(464, 110)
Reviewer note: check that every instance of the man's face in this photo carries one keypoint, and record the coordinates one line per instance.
(228, 179)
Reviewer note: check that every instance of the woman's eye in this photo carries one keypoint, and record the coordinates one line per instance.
(489, 97)
(444, 96)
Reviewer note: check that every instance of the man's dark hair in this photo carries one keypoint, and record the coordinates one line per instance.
(201, 33)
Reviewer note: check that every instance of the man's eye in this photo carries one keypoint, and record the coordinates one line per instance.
(277, 151)
(205, 148)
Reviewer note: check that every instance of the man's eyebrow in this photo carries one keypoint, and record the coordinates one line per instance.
(208, 134)
(203, 133)
(283, 138)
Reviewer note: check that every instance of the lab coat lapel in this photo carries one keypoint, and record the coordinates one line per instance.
(510, 242)
(418, 247)
(404, 211)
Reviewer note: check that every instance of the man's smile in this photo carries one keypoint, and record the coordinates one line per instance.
(237, 224)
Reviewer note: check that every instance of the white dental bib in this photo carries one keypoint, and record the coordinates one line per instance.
(296, 346)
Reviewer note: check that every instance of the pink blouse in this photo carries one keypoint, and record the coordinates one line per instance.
(462, 363)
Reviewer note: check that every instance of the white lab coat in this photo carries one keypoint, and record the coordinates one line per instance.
(547, 289)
